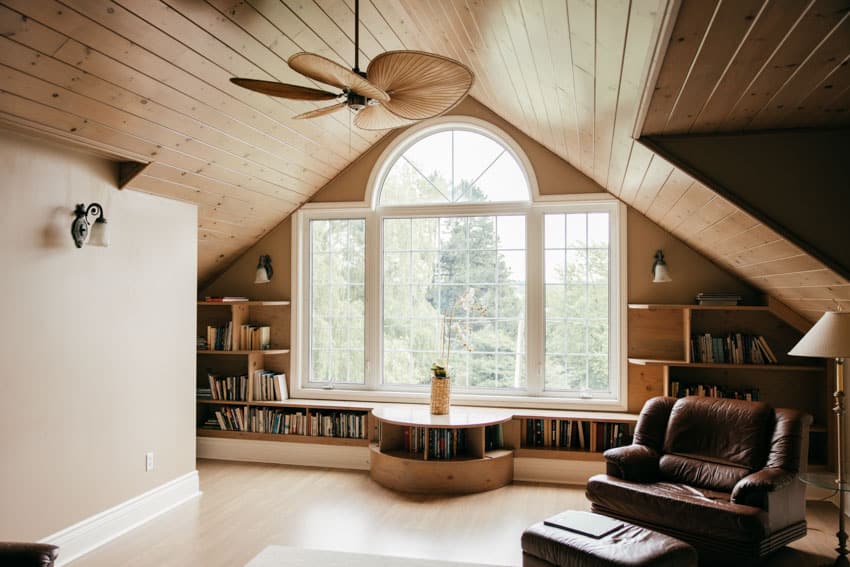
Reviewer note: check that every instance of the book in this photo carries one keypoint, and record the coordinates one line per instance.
(224, 299)
(585, 523)
(718, 299)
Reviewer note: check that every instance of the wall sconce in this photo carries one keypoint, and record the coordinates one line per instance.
(82, 230)
(264, 270)
(659, 269)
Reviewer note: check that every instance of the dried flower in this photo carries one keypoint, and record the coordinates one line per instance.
(466, 303)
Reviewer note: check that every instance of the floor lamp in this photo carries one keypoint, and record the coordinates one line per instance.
(830, 338)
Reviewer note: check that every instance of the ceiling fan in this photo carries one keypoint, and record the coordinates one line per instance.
(397, 89)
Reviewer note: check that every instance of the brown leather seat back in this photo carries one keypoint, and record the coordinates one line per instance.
(713, 442)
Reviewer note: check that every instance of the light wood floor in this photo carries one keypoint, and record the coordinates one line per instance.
(245, 507)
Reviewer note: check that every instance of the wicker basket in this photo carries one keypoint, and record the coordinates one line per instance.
(441, 389)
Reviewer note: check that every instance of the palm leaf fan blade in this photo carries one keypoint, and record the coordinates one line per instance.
(320, 111)
(377, 117)
(283, 90)
(421, 85)
(330, 72)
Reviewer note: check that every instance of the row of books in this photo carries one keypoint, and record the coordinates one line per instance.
(233, 388)
(347, 424)
(289, 421)
(575, 434)
(254, 337)
(220, 337)
(735, 348)
(610, 435)
(269, 386)
(720, 299)
(678, 390)
(259, 420)
(494, 437)
(438, 444)
(251, 337)
(568, 434)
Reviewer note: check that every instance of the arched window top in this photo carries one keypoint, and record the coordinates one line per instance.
(455, 164)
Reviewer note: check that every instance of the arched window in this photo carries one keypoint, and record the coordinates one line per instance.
(456, 165)
(452, 217)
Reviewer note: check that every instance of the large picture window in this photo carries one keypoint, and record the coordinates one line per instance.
(428, 264)
(453, 215)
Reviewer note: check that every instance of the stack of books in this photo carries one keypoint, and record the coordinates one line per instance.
(735, 348)
(718, 299)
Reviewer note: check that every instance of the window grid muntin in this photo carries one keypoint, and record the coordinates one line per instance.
(454, 198)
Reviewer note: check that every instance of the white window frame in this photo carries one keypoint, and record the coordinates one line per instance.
(535, 395)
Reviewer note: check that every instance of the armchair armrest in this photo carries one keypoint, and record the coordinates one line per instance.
(753, 489)
(28, 554)
(637, 463)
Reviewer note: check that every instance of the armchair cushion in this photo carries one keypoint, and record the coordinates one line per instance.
(700, 472)
(677, 506)
(716, 442)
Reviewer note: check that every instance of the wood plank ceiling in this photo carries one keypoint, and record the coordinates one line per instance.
(737, 66)
(149, 80)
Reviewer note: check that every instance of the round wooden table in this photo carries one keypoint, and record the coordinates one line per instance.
(424, 453)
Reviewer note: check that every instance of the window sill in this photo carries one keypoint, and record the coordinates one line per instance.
(479, 400)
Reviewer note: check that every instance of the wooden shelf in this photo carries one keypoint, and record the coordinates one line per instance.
(558, 453)
(597, 416)
(244, 352)
(402, 454)
(285, 404)
(674, 306)
(660, 351)
(221, 402)
(682, 363)
(397, 471)
(249, 303)
(289, 438)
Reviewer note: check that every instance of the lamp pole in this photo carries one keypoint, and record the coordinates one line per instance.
(839, 418)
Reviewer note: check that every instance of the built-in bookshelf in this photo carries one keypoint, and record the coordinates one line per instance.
(242, 389)
(580, 436)
(731, 351)
(283, 421)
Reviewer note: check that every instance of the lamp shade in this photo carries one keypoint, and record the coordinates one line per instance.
(264, 270)
(262, 276)
(660, 273)
(828, 338)
(659, 269)
(99, 235)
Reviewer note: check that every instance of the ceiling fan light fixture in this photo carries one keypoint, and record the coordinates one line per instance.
(399, 88)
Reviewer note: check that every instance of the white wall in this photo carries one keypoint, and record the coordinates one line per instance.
(96, 345)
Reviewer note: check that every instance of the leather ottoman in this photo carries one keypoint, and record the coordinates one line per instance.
(629, 546)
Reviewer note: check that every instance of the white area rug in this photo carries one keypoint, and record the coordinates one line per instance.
(282, 556)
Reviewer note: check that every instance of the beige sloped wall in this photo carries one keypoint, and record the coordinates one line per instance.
(691, 271)
(97, 349)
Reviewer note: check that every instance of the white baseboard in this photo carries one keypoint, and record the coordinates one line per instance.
(556, 470)
(282, 453)
(95, 531)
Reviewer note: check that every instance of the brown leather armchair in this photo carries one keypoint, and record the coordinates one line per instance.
(20, 554)
(719, 474)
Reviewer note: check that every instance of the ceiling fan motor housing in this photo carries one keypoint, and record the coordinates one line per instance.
(358, 102)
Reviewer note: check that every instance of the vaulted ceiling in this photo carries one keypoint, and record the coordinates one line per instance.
(148, 81)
